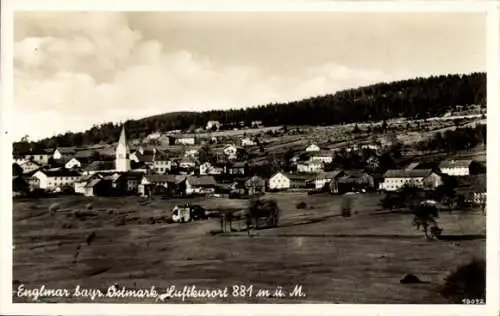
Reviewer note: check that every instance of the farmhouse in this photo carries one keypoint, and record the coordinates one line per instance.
(200, 185)
(310, 167)
(185, 140)
(54, 179)
(81, 186)
(29, 166)
(162, 164)
(473, 188)
(324, 178)
(99, 166)
(40, 157)
(127, 182)
(279, 181)
(239, 168)
(455, 167)
(395, 179)
(352, 181)
(323, 156)
(312, 148)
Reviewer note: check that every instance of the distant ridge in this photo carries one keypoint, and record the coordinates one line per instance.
(415, 98)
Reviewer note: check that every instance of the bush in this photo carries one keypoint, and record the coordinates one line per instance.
(468, 281)
(301, 205)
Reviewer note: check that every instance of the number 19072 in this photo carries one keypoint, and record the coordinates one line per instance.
(473, 301)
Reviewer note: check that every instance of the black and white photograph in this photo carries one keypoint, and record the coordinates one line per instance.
(179, 157)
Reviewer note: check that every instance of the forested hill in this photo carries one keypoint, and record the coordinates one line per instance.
(416, 98)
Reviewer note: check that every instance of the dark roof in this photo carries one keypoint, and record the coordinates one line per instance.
(329, 174)
(413, 173)
(131, 175)
(146, 157)
(357, 173)
(322, 153)
(66, 150)
(93, 182)
(100, 165)
(298, 177)
(201, 180)
(162, 177)
(455, 164)
(239, 164)
(61, 173)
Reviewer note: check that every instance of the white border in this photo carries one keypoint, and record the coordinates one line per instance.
(493, 49)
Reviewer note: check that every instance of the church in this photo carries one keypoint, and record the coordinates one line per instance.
(122, 153)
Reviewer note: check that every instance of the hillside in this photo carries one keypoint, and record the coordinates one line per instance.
(413, 98)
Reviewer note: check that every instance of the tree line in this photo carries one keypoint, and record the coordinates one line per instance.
(412, 98)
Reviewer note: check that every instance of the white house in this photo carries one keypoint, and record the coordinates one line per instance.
(312, 148)
(310, 167)
(50, 180)
(455, 167)
(186, 140)
(162, 166)
(200, 185)
(29, 166)
(395, 179)
(322, 156)
(187, 163)
(73, 163)
(279, 181)
(212, 125)
(208, 168)
(247, 141)
(61, 152)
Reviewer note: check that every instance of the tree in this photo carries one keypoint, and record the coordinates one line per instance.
(425, 215)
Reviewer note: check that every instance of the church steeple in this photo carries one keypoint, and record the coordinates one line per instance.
(122, 160)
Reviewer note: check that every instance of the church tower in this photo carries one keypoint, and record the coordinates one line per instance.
(122, 160)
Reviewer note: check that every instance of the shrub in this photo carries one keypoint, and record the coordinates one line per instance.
(301, 205)
(468, 281)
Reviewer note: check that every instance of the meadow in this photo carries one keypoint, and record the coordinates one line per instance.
(95, 242)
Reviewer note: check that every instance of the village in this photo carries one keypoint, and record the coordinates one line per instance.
(130, 193)
(183, 165)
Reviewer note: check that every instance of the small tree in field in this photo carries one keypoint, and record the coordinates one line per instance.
(425, 215)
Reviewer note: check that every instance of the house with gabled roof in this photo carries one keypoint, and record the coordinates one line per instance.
(395, 179)
(324, 178)
(312, 148)
(54, 179)
(200, 185)
(455, 167)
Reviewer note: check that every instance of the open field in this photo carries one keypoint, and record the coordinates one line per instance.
(337, 260)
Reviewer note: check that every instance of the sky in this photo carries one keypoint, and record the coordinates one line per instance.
(73, 70)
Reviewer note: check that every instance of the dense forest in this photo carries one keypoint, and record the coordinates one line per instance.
(413, 98)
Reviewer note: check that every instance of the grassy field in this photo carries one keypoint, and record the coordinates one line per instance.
(360, 259)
